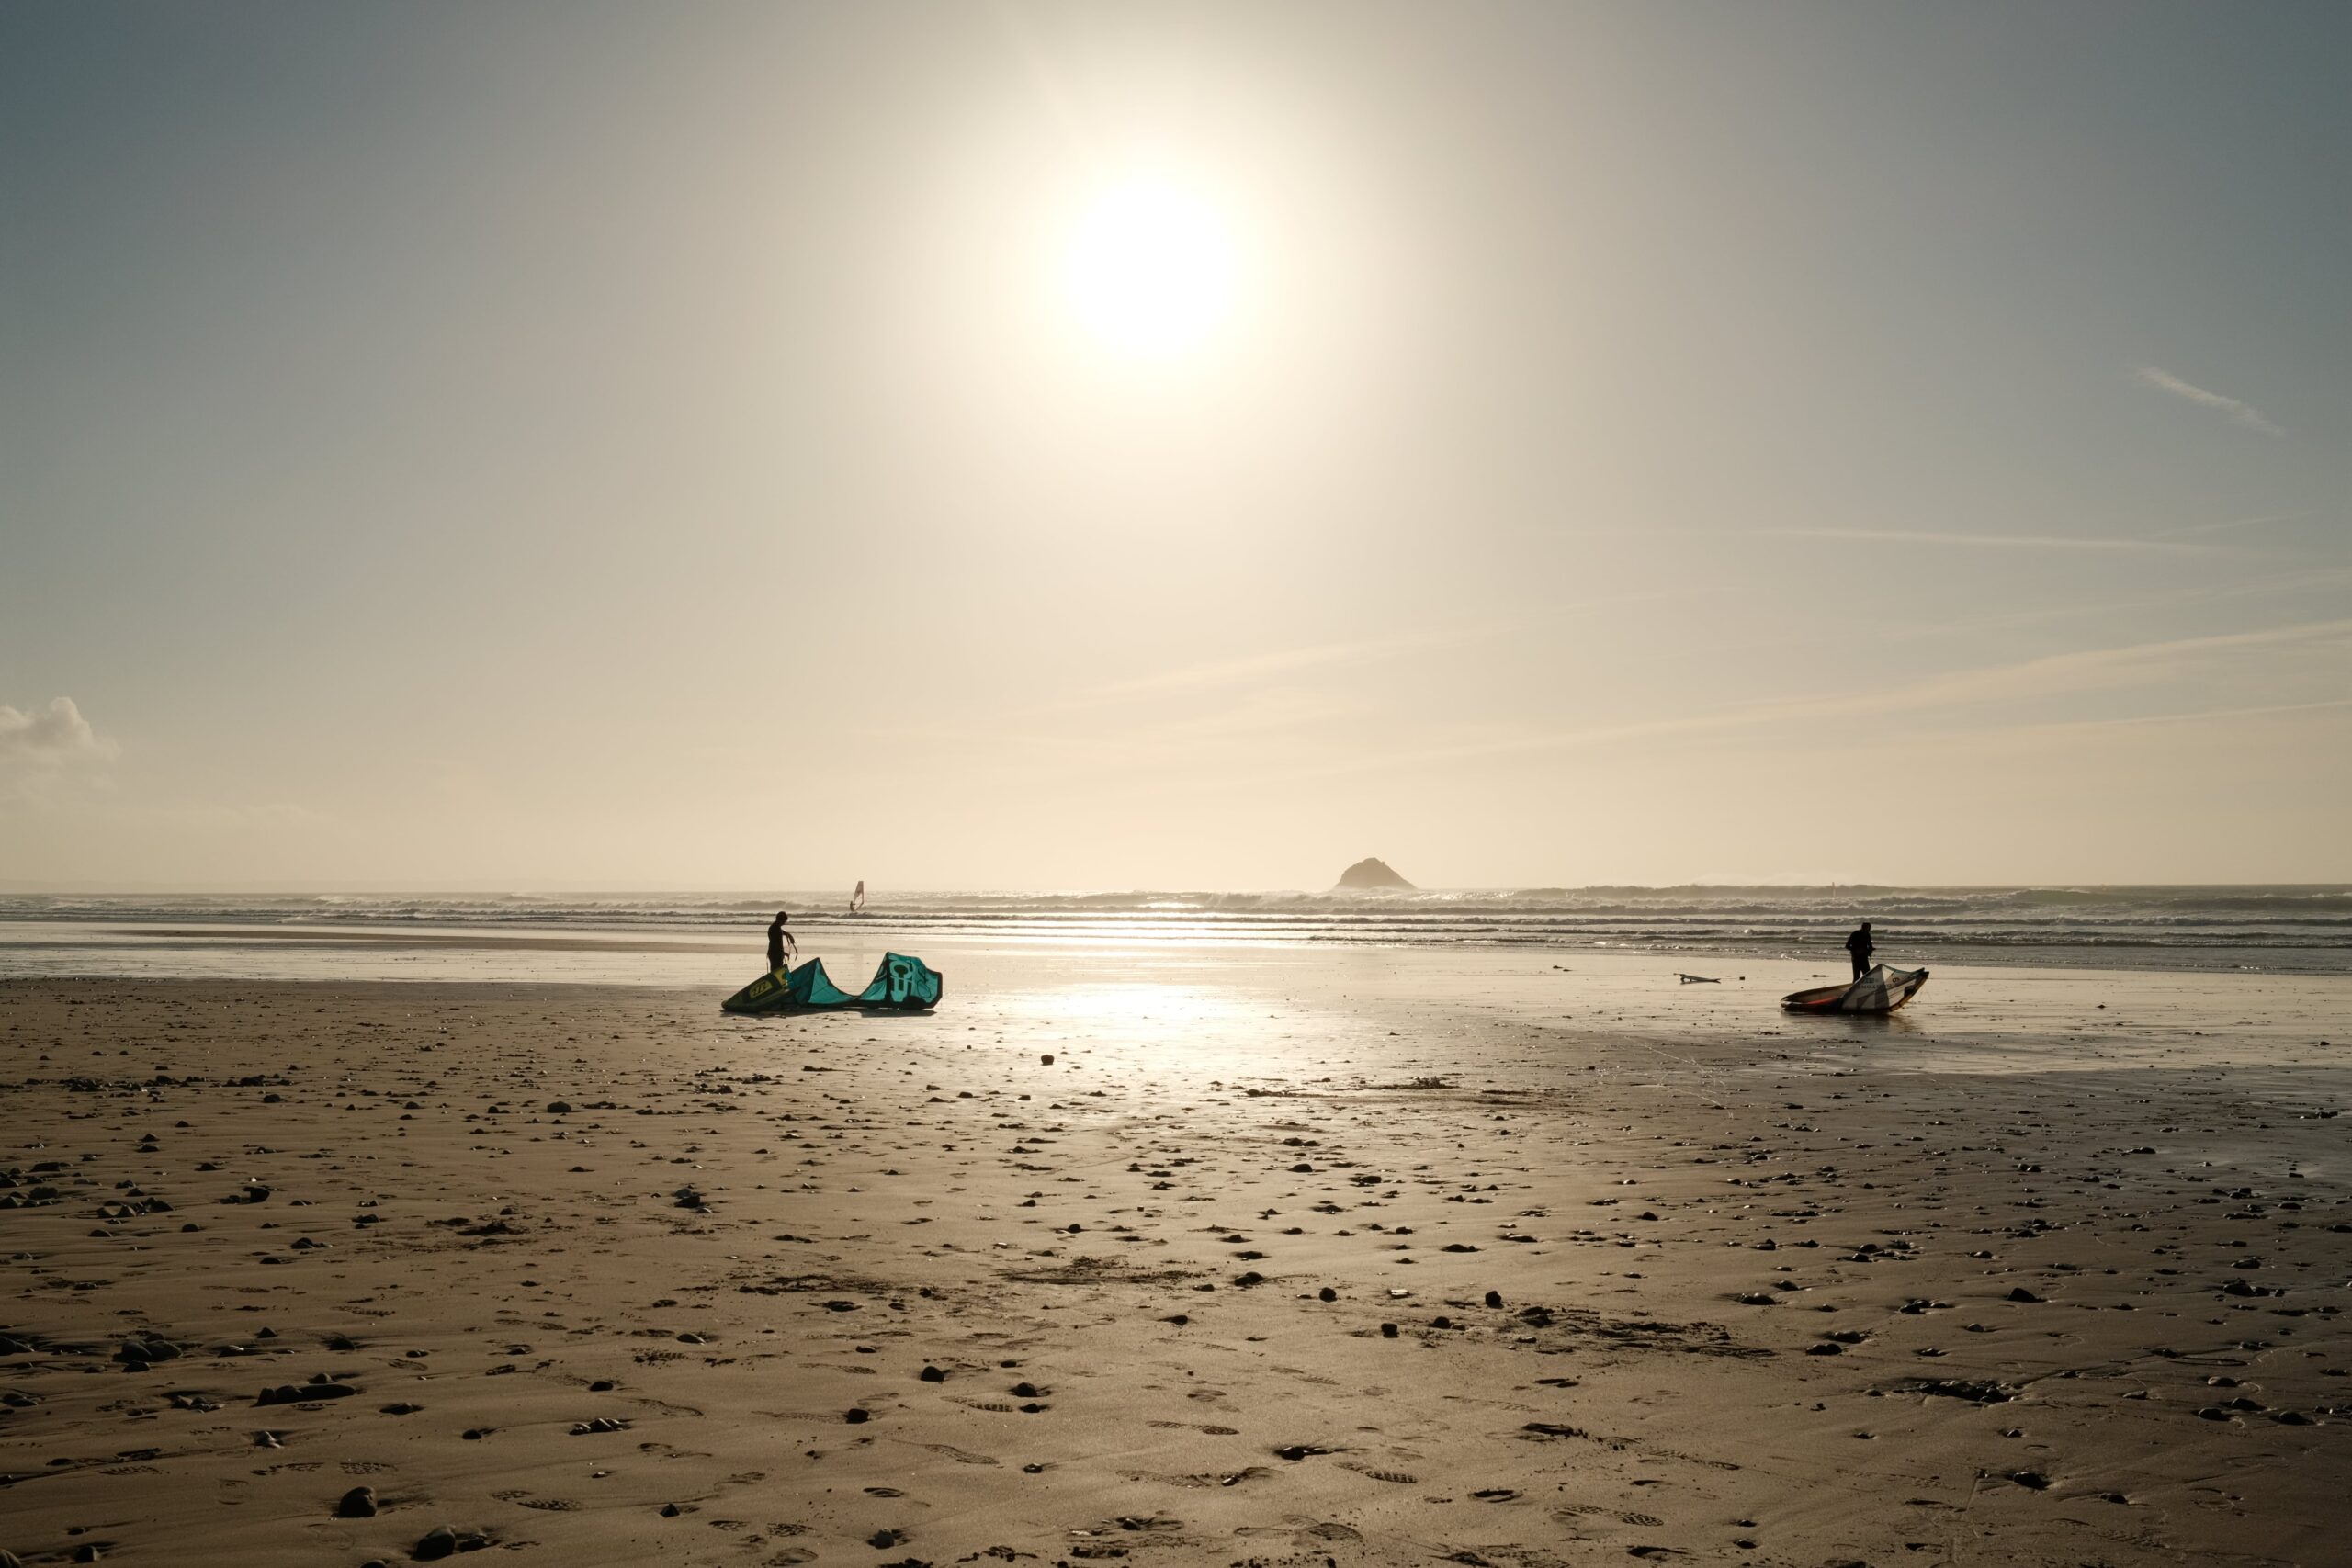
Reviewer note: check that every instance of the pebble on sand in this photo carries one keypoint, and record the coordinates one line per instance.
(442, 1541)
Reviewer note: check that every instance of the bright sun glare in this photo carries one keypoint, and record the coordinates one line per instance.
(1151, 269)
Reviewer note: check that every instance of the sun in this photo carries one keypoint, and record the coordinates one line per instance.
(1151, 269)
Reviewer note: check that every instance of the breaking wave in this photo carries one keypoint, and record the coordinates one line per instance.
(2282, 927)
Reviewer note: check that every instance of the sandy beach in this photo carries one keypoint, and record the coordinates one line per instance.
(1274, 1257)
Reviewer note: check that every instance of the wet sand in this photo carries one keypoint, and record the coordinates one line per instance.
(1359, 1257)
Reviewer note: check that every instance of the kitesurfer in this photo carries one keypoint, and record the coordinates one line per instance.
(1859, 945)
(780, 943)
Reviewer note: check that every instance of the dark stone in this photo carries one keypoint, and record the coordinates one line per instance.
(291, 1393)
(359, 1502)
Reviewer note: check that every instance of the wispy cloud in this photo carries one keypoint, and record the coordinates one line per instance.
(2200, 716)
(2240, 412)
(1941, 538)
(1244, 670)
(1986, 541)
(2052, 675)
(2230, 524)
(1255, 669)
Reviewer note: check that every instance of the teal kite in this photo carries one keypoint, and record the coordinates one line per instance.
(907, 985)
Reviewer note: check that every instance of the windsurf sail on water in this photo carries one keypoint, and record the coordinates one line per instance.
(903, 983)
(1880, 991)
(858, 899)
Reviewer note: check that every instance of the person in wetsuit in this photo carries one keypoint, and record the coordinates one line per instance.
(780, 943)
(1860, 946)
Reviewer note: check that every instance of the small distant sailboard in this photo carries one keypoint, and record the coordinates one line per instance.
(904, 984)
(858, 899)
(1880, 991)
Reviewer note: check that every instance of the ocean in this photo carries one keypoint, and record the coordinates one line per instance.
(2301, 929)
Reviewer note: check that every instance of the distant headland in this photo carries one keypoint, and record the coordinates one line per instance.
(1372, 872)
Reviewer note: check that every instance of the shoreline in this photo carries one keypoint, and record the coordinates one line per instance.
(38, 948)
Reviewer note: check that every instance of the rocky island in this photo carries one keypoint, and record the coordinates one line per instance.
(1372, 872)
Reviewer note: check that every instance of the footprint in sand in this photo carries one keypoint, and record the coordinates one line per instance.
(1397, 1476)
(1590, 1510)
(961, 1456)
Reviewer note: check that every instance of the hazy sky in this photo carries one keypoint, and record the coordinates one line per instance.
(668, 445)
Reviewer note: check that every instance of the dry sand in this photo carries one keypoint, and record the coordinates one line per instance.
(1309, 1258)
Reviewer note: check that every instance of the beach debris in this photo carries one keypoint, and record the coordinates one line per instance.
(1699, 979)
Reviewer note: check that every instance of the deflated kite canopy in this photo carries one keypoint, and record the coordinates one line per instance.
(1880, 991)
(901, 982)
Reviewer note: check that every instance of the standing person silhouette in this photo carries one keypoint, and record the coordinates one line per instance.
(1859, 945)
(780, 943)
